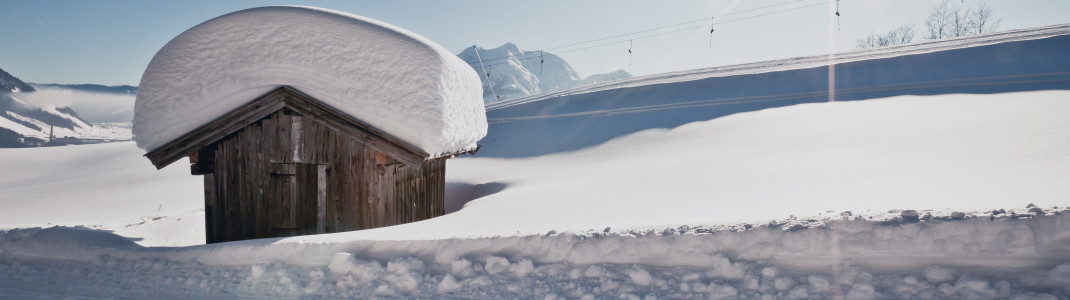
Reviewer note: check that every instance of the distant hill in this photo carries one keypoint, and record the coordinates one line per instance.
(97, 88)
(9, 83)
(517, 73)
(24, 124)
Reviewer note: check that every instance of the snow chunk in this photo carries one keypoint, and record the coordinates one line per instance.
(388, 77)
(639, 276)
(496, 264)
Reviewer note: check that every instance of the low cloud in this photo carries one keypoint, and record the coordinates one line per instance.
(92, 107)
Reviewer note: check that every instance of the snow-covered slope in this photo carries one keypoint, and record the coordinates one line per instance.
(28, 117)
(30, 124)
(516, 73)
(575, 119)
(10, 83)
(961, 62)
(929, 196)
(388, 77)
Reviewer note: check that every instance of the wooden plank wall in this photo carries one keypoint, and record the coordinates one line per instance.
(267, 182)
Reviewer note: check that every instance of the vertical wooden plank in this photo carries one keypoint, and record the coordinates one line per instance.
(258, 179)
(232, 216)
(441, 187)
(297, 137)
(302, 198)
(283, 153)
(332, 204)
(209, 209)
(268, 146)
(292, 206)
(295, 146)
(225, 203)
(248, 182)
(285, 144)
(342, 199)
(321, 198)
(357, 189)
(367, 179)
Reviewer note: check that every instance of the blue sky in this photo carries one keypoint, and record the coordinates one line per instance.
(111, 42)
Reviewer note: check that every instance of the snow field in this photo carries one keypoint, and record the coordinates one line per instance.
(942, 153)
(109, 185)
(1024, 256)
(984, 219)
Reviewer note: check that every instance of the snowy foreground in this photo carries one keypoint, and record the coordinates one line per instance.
(946, 196)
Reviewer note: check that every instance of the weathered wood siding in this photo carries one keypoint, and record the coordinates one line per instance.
(289, 174)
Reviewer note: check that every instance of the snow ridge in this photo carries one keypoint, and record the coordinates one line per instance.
(866, 260)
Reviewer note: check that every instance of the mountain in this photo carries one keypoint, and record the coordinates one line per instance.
(95, 88)
(599, 78)
(9, 83)
(23, 124)
(516, 73)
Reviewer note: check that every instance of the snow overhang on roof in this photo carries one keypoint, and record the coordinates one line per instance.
(385, 76)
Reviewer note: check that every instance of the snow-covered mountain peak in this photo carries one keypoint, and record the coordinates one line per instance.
(516, 73)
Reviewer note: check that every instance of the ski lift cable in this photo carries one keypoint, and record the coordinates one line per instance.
(661, 33)
(673, 25)
(489, 84)
(667, 26)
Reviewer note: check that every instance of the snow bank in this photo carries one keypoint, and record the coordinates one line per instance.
(1022, 254)
(388, 77)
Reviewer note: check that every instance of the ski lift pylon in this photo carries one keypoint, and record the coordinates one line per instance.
(711, 32)
(629, 53)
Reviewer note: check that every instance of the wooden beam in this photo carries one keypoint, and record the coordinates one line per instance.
(201, 169)
(219, 128)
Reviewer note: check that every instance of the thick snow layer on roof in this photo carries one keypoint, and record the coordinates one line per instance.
(390, 78)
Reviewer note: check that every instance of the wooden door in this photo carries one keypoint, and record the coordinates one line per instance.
(299, 205)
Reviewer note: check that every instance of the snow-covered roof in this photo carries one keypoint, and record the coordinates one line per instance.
(388, 77)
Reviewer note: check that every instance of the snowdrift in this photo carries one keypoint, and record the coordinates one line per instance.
(390, 78)
(1024, 256)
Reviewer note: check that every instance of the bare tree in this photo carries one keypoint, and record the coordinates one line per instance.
(938, 20)
(900, 35)
(981, 20)
(950, 20)
(960, 21)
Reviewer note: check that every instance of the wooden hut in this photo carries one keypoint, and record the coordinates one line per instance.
(285, 165)
(306, 120)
